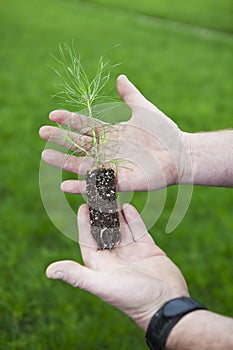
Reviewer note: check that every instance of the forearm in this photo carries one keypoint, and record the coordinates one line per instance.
(210, 158)
(202, 330)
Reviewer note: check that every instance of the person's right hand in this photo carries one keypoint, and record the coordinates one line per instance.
(152, 145)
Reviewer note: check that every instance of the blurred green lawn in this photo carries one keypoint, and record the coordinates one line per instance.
(186, 71)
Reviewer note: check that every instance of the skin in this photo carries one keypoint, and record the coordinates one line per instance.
(156, 151)
(159, 154)
(145, 141)
(139, 265)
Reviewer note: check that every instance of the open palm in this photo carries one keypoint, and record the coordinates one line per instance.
(150, 144)
(136, 277)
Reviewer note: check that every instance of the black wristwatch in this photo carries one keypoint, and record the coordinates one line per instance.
(166, 318)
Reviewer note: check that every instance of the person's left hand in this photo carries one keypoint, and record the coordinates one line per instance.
(136, 277)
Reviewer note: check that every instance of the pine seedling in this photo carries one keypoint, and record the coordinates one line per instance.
(77, 90)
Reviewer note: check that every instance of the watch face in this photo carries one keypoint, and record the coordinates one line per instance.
(181, 306)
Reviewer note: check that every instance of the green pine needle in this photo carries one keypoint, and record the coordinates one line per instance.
(77, 90)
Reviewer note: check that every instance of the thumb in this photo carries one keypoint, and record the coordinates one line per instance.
(130, 94)
(73, 273)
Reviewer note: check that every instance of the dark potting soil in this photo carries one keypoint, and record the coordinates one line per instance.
(102, 202)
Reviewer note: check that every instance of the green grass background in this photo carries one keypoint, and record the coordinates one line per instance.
(179, 54)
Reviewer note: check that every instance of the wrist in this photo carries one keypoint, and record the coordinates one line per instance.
(178, 168)
(186, 161)
(144, 319)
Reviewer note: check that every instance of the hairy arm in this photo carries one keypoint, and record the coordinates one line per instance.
(211, 155)
(202, 330)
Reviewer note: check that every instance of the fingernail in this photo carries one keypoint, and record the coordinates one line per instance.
(122, 76)
(46, 155)
(124, 206)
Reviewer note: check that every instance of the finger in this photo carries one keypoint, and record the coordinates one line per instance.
(84, 228)
(136, 224)
(79, 186)
(135, 100)
(86, 240)
(66, 138)
(75, 121)
(130, 94)
(77, 165)
(126, 234)
(88, 245)
(74, 186)
(73, 273)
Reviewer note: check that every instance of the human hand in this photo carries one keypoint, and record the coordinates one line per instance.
(136, 277)
(151, 143)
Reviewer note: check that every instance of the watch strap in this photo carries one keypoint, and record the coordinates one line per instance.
(166, 318)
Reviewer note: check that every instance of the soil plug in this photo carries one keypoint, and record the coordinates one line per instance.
(104, 216)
